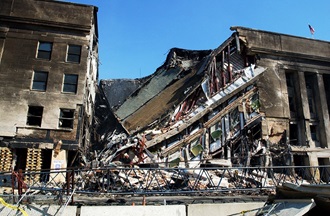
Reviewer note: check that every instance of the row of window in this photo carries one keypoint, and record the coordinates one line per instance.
(45, 52)
(310, 84)
(34, 117)
(39, 82)
(296, 128)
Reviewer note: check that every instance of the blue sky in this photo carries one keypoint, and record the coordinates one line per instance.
(136, 35)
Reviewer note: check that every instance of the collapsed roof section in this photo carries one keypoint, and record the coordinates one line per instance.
(186, 80)
(167, 87)
(117, 90)
(198, 106)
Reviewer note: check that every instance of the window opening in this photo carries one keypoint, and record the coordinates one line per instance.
(324, 171)
(291, 94)
(302, 160)
(326, 81)
(314, 134)
(70, 83)
(21, 154)
(310, 85)
(73, 54)
(40, 81)
(293, 139)
(45, 50)
(34, 116)
(66, 118)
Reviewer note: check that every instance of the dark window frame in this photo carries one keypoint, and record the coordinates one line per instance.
(44, 50)
(310, 81)
(34, 116)
(73, 53)
(40, 79)
(292, 94)
(314, 130)
(70, 83)
(66, 118)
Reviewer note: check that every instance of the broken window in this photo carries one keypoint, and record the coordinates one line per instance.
(254, 103)
(324, 171)
(293, 137)
(314, 132)
(326, 81)
(73, 54)
(196, 148)
(44, 50)
(291, 94)
(310, 85)
(39, 81)
(301, 159)
(66, 118)
(216, 137)
(234, 122)
(34, 116)
(70, 83)
(174, 159)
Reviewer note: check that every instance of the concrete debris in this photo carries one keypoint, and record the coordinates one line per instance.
(199, 109)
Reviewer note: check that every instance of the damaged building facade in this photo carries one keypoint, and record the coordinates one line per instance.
(259, 99)
(49, 73)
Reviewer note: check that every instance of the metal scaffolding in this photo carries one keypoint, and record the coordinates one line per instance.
(129, 180)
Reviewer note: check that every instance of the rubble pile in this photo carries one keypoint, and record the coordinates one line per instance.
(126, 164)
(199, 110)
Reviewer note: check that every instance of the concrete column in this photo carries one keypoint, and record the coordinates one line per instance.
(313, 161)
(2, 43)
(303, 95)
(59, 162)
(323, 113)
(305, 133)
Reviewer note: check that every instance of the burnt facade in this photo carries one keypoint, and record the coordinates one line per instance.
(49, 73)
(259, 99)
(293, 93)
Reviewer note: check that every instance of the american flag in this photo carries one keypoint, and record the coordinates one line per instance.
(311, 29)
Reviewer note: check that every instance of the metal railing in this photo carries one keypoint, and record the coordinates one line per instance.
(129, 180)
